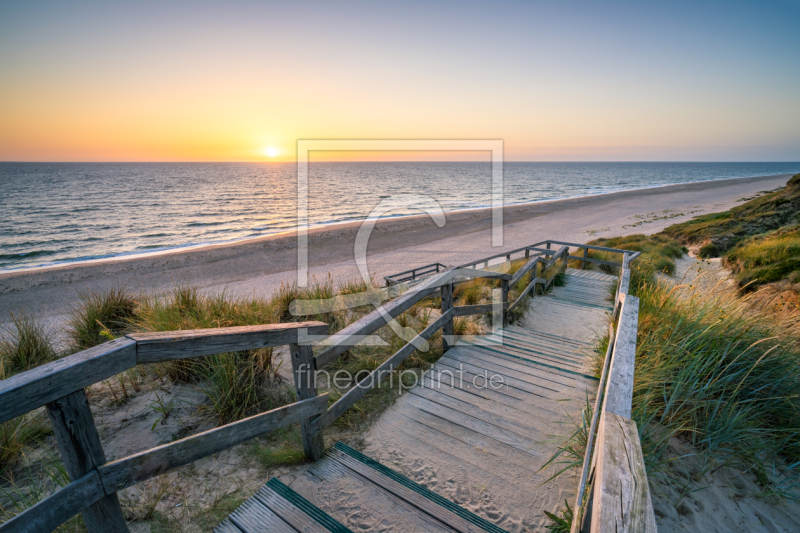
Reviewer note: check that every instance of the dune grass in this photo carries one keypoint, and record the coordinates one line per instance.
(100, 317)
(720, 232)
(25, 345)
(767, 259)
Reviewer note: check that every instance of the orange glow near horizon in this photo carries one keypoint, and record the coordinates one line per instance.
(129, 82)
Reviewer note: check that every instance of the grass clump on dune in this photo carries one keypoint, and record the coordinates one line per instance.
(767, 259)
(724, 377)
(658, 255)
(25, 345)
(100, 317)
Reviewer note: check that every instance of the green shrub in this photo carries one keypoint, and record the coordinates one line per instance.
(100, 317)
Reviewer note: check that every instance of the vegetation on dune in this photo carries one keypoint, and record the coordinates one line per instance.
(767, 258)
(720, 232)
(25, 345)
(711, 368)
(658, 255)
(100, 317)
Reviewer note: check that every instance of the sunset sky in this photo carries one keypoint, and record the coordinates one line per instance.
(243, 81)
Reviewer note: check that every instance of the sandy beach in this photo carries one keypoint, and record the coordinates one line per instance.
(257, 267)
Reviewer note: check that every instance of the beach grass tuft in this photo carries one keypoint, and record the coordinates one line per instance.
(25, 345)
(100, 317)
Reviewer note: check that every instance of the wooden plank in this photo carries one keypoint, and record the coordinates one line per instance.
(449, 515)
(254, 517)
(226, 526)
(473, 273)
(625, 281)
(477, 411)
(305, 382)
(169, 345)
(619, 396)
(353, 334)
(82, 453)
(593, 247)
(289, 513)
(511, 439)
(32, 389)
(487, 259)
(368, 383)
(540, 420)
(480, 309)
(377, 509)
(524, 269)
(128, 471)
(523, 373)
(448, 327)
(621, 501)
(593, 260)
(59, 507)
(504, 298)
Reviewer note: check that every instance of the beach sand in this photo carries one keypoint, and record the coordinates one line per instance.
(257, 267)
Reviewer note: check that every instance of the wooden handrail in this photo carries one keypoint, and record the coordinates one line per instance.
(94, 483)
(374, 378)
(136, 468)
(29, 390)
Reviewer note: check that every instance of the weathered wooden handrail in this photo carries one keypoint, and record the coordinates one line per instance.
(95, 482)
(414, 273)
(32, 389)
(620, 497)
(139, 467)
(374, 378)
(368, 324)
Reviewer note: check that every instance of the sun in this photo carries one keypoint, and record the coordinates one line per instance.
(271, 151)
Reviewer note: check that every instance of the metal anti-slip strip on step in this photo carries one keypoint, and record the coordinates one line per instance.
(419, 489)
(320, 516)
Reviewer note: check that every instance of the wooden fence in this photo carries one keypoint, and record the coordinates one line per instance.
(613, 493)
(95, 481)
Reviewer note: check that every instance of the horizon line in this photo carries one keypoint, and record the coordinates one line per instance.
(400, 161)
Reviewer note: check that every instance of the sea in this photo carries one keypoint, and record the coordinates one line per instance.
(52, 213)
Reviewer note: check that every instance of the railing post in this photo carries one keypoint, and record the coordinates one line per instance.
(448, 329)
(504, 299)
(527, 253)
(81, 453)
(585, 255)
(305, 381)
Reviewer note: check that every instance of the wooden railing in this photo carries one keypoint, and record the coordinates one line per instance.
(613, 493)
(414, 274)
(95, 481)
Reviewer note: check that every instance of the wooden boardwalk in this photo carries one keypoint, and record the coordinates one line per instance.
(455, 452)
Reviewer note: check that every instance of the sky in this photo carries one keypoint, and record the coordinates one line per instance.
(556, 81)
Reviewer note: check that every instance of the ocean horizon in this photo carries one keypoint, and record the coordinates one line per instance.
(56, 213)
